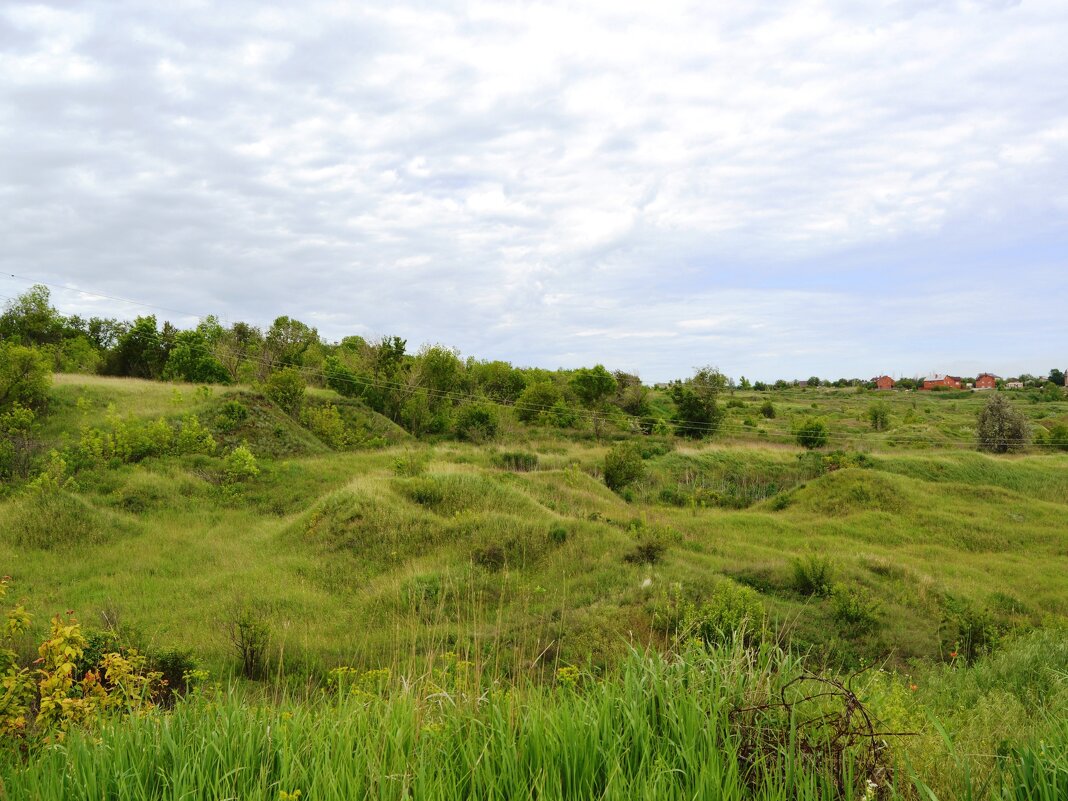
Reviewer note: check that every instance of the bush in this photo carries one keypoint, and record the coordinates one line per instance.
(854, 608)
(249, 630)
(231, 415)
(476, 422)
(730, 609)
(623, 465)
(25, 376)
(326, 423)
(558, 534)
(491, 557)
(812, 575)
(519, 461)
(1000, 427)
(411, 464)
(1058, 437)
(286, 388)
(812, 434)
(193, 438)
(650, 543)
(240, 465)
(879, 416)
(536, 400)
(768, 410)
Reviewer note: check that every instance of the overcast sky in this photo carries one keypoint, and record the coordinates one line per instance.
(780, 189)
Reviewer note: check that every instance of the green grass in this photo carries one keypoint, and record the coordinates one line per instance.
(359, 546)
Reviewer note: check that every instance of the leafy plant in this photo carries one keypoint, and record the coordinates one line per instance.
(623, 465)
(813, 574)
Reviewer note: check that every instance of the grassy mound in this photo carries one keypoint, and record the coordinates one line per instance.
(60, 519)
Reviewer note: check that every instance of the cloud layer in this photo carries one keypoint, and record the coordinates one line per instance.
(781, 189)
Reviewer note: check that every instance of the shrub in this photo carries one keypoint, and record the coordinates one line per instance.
(476, 422)
(25, 376)
(623, 465)
(650, 543)
(411, 464)
(193, 438)
(231, 415)
(1058, 437)
(812, 575)
(519, 461)
(730, 609)
(326, 423)
(812, 434)
(536, 400)
(558, 534)
(491, 557)
(18, 444)
(249, 630)
(879, 416)
(240, 465)
(1001, 428)
(767, 409)
(854, 608)
(286, 388)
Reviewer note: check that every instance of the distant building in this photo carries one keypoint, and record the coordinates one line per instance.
(884, 382)
(1014, 385)
(947, 381)
(986, 381)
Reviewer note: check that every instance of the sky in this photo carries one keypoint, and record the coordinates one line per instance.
(779, 189)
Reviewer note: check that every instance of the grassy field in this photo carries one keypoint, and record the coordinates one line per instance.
(358, 545)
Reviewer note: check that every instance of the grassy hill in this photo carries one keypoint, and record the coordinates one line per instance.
(364, 544)
(494, 601)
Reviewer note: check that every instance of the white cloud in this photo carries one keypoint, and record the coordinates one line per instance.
(653, 186)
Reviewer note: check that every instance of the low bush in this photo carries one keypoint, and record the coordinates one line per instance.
(813, 574)
(623, 465)
(854, 608)
(518, 461)
(476, 422)
(811, 434)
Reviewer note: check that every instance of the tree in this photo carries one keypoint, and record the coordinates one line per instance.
(287, 342)
(536, 400)
(623, 465)
(1000, 427)
(1058, 437)
(1057, 377)
(767, 410)
(140, 351)
(812, 434)
(697, 414)
(593, 386)
(25, 376)
(879, 416)
(30, 319)
(286, 388)
(476, 422)
(192, 360)
(743, 383)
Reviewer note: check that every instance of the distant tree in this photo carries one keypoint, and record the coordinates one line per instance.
(287, 341)
(1058, 437)
(537, 400)
(813, 381)
(879, 416)
(1000, 427)
(498, 380)
(341, 379)
(140, 352)
(1057, 377)
(286, 388)
(697, 413)
(632, 397)
(593, 386)
(743, 383)
(30, 319)
(25, 376)
(191, 359)
(623, 465)
(812, 434)
(767, 409)
(476, 422)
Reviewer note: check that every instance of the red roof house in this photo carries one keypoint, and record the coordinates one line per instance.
(947, 381)
(986, 381)
(884, 382)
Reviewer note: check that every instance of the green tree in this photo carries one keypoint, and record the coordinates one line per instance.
(287, 388)
(879, 416)
(623, 465)
(536, 400)
(25, 376)
(812, 434)
(1000, 427)
(697, 412)
(191, 359)
(1058, 437)
(140, 352)
(30, 319)
(476, 422)
(593, 386)
(1057, 377)
(287, 342)
(767, 410)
